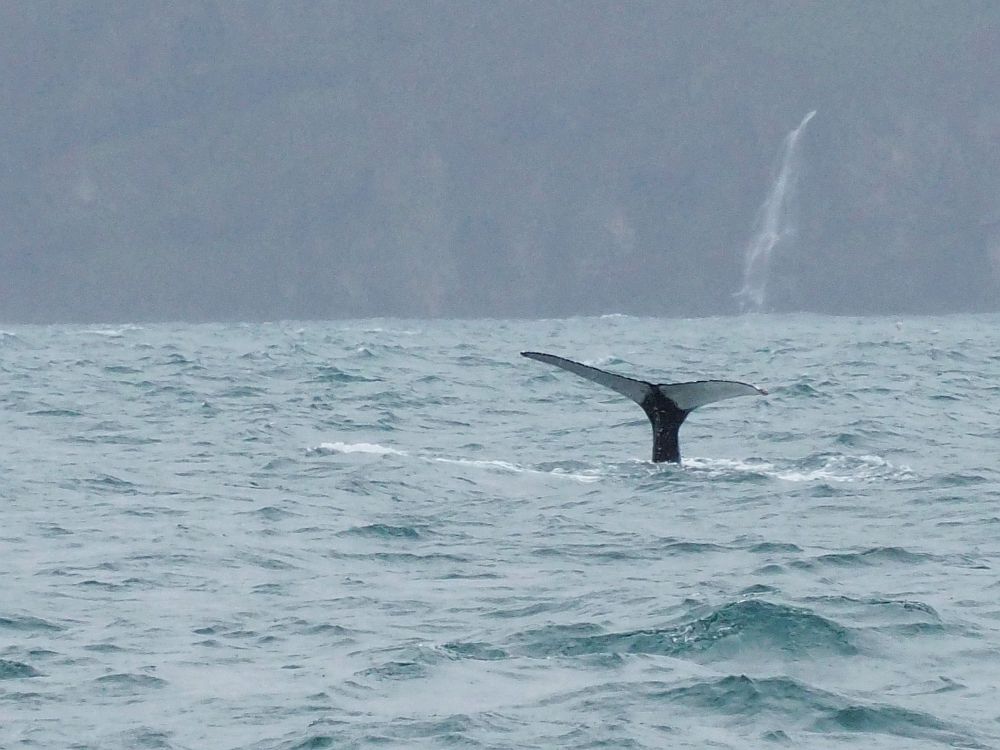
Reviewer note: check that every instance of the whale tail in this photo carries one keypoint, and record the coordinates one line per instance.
(666, 404)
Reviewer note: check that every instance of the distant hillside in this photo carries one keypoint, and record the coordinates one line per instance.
(207, 160)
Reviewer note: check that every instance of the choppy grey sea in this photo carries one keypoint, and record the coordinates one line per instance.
(400, 533)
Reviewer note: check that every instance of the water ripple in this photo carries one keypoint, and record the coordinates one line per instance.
(396, 533)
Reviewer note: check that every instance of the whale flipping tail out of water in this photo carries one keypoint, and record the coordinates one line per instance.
(666, 404)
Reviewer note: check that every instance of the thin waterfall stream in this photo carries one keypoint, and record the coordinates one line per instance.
(774, 225)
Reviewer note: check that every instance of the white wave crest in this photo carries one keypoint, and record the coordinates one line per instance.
(585, 477)
(518, 469)
(112, 333)
(821, 469)
(373, 448)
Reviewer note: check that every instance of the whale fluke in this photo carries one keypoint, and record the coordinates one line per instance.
(666, 404)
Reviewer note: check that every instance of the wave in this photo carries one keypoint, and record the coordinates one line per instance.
(28, 624)
(810, 709)
(585, 476)
(382, 531)
(15, 670)
(482, 463)
(750, 625)
(823, 468)
(819, 468)
(898, 617)
(395, 670)
(893, 720)
(55, 412)
(112, 333)
(107, 483)
(271, 513)
(406, 661)
(128, 683)
(334, 375)
(372, 448)
(867, 557)
(12, 340)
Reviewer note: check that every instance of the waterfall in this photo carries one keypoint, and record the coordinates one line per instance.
(775, 223)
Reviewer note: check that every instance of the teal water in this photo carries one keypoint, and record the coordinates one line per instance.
(402, 534)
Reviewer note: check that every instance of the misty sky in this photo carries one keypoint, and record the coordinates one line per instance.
(262, 160)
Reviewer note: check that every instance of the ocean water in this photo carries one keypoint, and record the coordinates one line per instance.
(400, 533)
